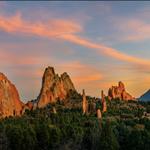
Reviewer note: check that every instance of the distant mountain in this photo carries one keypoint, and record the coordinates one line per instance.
(145, 97)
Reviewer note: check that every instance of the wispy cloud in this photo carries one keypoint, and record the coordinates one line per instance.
(50, 29)
(10, 58)
(136, 29)
(65, 30)
(108, 51)
(80, 73)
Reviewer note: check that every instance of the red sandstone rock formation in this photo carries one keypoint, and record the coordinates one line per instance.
(10, 104)
(29, 105)
(99, 114)
(54, 87)
(99, 118)
(119, 92)
(104, 105)
(84, 103)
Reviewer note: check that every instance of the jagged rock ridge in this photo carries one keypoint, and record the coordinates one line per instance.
(10, 104)
(54, 87)
(119, 92)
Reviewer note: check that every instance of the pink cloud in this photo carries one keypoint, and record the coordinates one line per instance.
(108, 51)
(88, 78)
(50, 29)
(80, 73)
(66, 30)
(8, 57)
(132, 29)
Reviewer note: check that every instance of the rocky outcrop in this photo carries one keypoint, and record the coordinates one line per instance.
(54, 87)
(10, 104)
(119, 92)
(29, 105)
(84, 103)
(104, 105)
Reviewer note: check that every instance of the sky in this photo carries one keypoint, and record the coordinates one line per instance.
(96, 43)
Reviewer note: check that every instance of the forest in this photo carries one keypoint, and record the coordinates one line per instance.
(123, 126)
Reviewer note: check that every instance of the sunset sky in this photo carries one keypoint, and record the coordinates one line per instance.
(96, 43)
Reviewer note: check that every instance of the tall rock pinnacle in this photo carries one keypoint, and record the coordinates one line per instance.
(84, 103)
(54, 87)
(10, 104)
(104, 105)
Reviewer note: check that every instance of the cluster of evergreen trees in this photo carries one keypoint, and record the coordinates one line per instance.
(70, 130)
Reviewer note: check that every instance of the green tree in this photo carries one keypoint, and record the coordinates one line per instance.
(15, 137)
(29, 138)
(42, 136)
(108, 141)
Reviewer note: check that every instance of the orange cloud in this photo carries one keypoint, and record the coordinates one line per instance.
(106, 50)
(88, 78)
(10, 58)
(50, 29)
(80, 73)
(65, 30)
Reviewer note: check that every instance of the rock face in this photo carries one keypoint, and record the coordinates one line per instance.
(54, 87)
(119, 92)
(10, 104)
